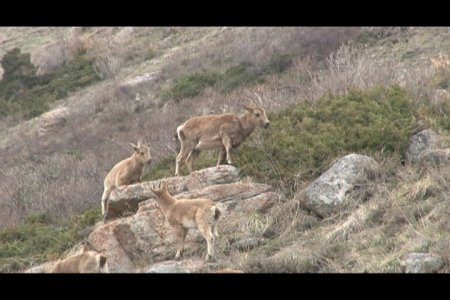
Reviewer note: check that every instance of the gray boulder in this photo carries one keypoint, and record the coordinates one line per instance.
(329, 190)
(434, 157)
(422, 262)
(425, 140)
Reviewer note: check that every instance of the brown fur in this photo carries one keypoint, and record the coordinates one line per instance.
(224, 131)
(126, 172)
(184, 214)
(86, 262)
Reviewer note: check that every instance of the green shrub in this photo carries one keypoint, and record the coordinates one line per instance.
(17, 65)
(164, 168)
(190, 85)
(40, 236)
(241, 74)
(278, 63)
(25, 93)
(304, 138)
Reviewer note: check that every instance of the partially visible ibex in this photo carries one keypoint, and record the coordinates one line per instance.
(223, 131)
(85, 262)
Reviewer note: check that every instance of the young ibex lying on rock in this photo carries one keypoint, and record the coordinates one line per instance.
(184, 214)
(86, 262)
(126, 172)
(222, 132)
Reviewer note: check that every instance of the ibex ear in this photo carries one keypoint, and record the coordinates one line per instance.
(248, 108)
(134, 146)
(88, 247)
(164, 186)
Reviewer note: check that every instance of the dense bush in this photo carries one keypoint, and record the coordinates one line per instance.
(24, 93)
(233, 77)
(190, 85)
(164, 168)
(241, 74)
(304, 137)
(41, 237)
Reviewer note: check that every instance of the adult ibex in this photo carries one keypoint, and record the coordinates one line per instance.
(223, 131)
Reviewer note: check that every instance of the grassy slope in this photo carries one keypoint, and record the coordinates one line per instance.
(413, 218)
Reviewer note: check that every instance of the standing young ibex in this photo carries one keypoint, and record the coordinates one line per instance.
(85, 262)
(222, 132)
(126, 172)
(184, 214)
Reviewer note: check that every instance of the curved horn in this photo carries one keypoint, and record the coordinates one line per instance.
(259, 99)
(251, 98)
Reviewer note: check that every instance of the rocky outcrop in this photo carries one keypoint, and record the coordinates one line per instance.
(330, 189)
(186, 266)
(128, 199)
(129, 241)
(425, 148)
(144, 238)
(422, 262)
(174, 266)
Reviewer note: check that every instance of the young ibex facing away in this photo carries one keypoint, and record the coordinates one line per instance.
(185, 214)
(224, 131)
(126, 172)
(86, 262)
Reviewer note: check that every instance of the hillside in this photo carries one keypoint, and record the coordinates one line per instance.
(73, 99)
